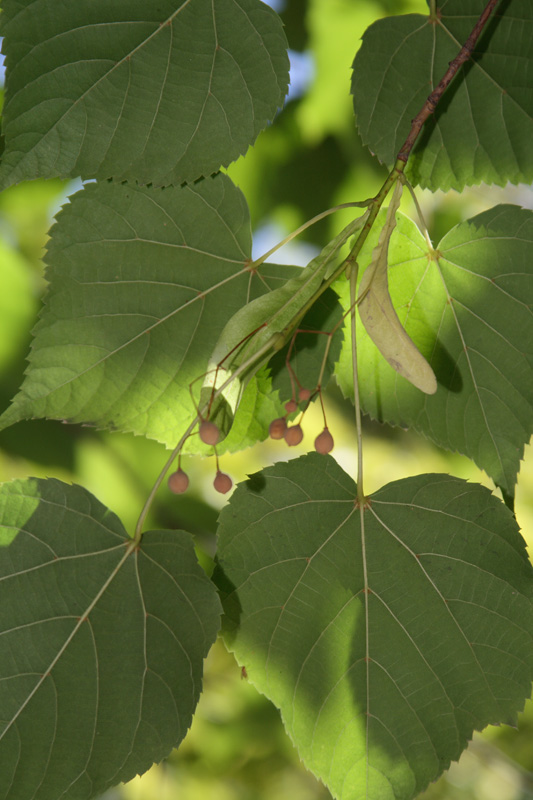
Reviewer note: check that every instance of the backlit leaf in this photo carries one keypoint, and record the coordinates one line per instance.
(483, 126)
(467, 307)
(384, 636)
(142, 282)
(155, 92)
(102, 648)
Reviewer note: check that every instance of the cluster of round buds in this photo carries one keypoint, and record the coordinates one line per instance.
(178, 481)
(279, 429)
(293, 434)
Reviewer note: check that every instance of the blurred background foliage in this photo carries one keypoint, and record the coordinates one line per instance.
(310, 159)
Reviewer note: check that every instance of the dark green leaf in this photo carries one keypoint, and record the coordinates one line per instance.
(483, 126)
(387, 635)
(102, 647)
(142, 282)
(467, 307)
(156, 92)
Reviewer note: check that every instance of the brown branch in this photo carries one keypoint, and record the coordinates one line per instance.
(431, 103)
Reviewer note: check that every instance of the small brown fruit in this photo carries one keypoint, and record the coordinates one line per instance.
(293, 435)
(304, 395)
(209, 432)
(222, 482)
(290, 406)
(277, 428)
(324, 442)
(178, 482)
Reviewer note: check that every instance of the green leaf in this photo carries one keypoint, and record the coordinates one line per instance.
(483, 126)
(102, 646)
(156, 92)
(385, 636)
(142, 282)
(467, 307)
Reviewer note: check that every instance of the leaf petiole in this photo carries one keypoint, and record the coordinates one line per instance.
(421, 221)
(353, 302)
(257, 263)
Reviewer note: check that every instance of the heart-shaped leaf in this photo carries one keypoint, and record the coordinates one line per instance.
(483, 126)
(155, 92)
(386, 634)
(142, 282)
(102, 644)
(467, 307)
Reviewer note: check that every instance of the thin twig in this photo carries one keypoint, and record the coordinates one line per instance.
(258, 261)
(430, 105)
